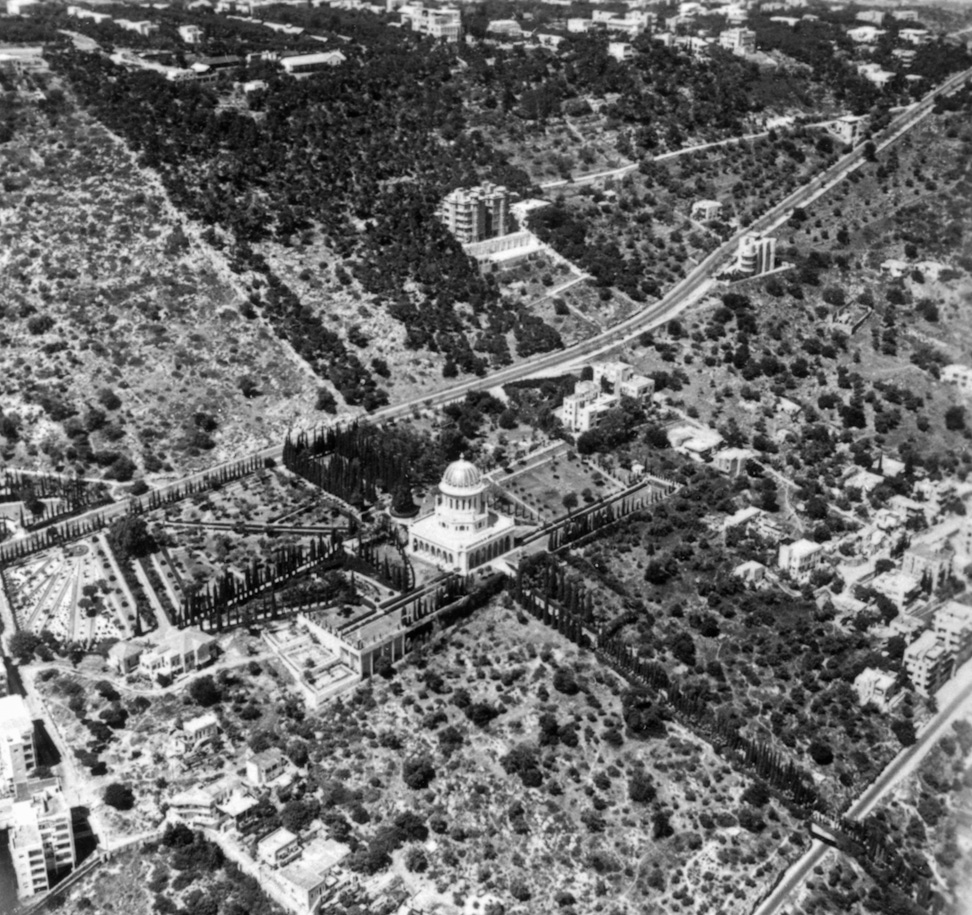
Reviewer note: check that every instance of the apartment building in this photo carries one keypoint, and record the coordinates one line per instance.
(928, 564)
(41, 840)
(444, 23)
(739, 41)
(476, 213)
(800, 559)
(877, 687)
(756, 254)
(190, 34)
(928, 663)
(18, 755)
(586, 407)
(952, 625)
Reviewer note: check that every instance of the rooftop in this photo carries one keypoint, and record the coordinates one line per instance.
(317, 859)
(278, 840)
(15, 717)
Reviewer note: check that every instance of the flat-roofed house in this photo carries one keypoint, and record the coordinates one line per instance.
(266, 767)
(178, 653)
(877, 687)
(800, 559)
(926, 563)
(279, 848)
(200, 729)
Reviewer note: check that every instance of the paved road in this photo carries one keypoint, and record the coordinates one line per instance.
(957, 696)
(672, 303)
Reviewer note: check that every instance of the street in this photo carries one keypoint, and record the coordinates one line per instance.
(956, 699)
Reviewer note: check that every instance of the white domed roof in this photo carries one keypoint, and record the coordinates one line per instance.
(462, 474)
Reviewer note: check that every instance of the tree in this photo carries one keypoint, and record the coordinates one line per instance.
(417, 773)
(204, 691)
(119, 796)
(22, 645)
(570, 501)
(129, 537)
(641, 789)
(955, 418)
(326, 401)
(904, 730)
(297, 815)
(820, 753)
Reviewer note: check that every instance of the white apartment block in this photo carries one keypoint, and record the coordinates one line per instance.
(739, 41)
(952, 625)
(620, 51)
(756, 254)
(924, 561)
(928, 663)
(898, 587)
(476, 213)
(877, 687)
(444, 23)
(800, 559)
(18, 755)
(41, 841)
(190, 34)
(586, 407)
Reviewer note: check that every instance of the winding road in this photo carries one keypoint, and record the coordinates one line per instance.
(679, 297)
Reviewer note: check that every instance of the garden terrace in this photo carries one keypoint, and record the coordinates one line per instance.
(76, 593)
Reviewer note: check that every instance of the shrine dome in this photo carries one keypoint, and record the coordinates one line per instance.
(462, 474)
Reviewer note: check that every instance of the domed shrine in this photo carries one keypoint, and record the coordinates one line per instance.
(462, 532)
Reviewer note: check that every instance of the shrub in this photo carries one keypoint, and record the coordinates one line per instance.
(417, 773)
(820, 753)
(119, 796)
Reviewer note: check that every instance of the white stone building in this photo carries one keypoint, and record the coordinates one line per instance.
(800, 559)
(18, 755)
(462, 532)
(41, 840)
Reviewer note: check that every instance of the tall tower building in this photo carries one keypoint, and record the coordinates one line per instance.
(757, 254)
(18, 756)
(41, 839)
(475, 213)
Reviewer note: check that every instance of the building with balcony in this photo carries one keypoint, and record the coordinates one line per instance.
(928, 663)
(706, 210)
(739, 41)
(279, 848)
(266, 767)
(41, 840)
(180, 652)
(800, 559)
(18, 754)
(952, 625)
(877, 687)
(200, 729)
(476, 213)
(190, 34)
(928, 564)
(898, 587)
(444, 23)
(756, 254)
